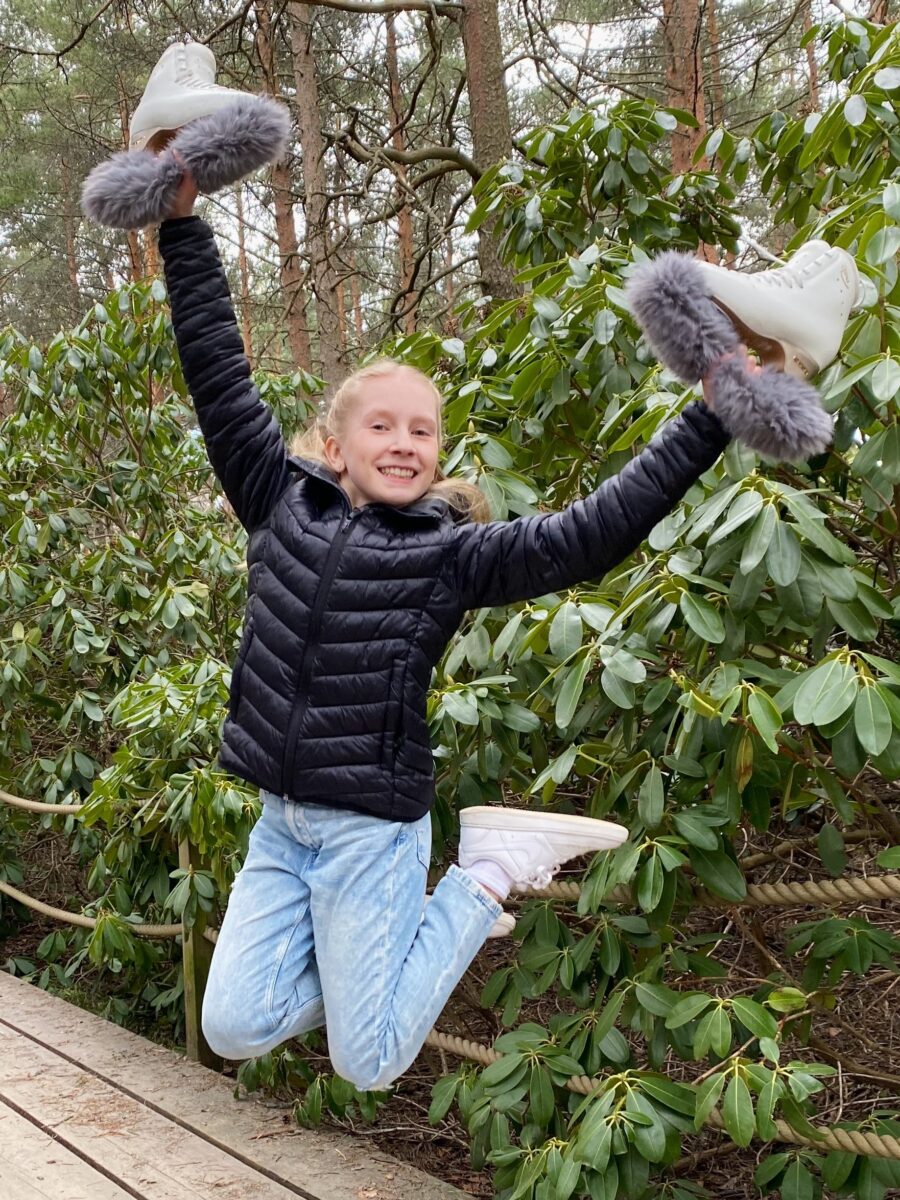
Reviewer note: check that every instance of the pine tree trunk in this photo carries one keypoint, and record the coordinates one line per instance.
(131, 237)
(309, 123)
(684, 78)
(811, 60)
(151, 254)
(246, 333)
(491, 135)
(282, 199)
(404, 217)
(715, 65)
(450, 291)
(354, 279)
(71, 226)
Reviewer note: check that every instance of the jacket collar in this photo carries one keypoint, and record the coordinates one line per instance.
(432, 508)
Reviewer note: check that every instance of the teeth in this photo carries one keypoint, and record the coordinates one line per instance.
(399, 472)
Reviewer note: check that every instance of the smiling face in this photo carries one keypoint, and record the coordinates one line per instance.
(388, 449)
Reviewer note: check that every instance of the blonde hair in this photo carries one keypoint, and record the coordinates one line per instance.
(468, 500)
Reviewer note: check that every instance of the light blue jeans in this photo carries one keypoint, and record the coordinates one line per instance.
(323, 928)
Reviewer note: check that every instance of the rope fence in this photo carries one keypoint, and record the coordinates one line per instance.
(828, 892)
(825, 892)
(855, 1141)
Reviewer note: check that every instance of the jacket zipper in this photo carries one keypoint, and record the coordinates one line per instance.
(301, 703)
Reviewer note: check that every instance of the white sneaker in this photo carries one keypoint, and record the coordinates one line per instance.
(793, 315)
(531, 846)
(502, 927)
(181, 88)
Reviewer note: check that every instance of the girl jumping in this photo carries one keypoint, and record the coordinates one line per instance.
(363, 562)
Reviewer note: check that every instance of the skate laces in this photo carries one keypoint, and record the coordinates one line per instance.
(791, 277)
(186, 77)
(540, 877)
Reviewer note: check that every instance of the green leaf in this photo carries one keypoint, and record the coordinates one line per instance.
(541, 1097)
(694, 830)
(737, 1112)
(890, 200)
(837, 1167)
(649, 1140)
(567, 1179)
(565, 631)
(765, 1107)
(766, 717)
(594, 1144)
(826, 692)
(702, 618)
(831, 850)
(871, 720)
(745, 507)
(651, 798)
(769, 1168)
(656, 998)
(605, 324)
(761, 534)
(754, 1017)
(687, 1009)
(607, 1019)
(442, 1096)
(783, 555)
(713, 1033)
(502, 1069)
(890, 858)
(797, 1183)
(719, 873)
(885, 380)
(570, 692)
(677, 1096)
(855, 110)
(786, 1000)
(708, 1097)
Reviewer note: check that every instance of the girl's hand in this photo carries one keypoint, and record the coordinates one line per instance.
(183, 202)
(750, 365)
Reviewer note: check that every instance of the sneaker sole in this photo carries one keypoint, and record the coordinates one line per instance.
(596, 834)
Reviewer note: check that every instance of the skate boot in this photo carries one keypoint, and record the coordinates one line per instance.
(794, 315)
(181, 88)
(531, 846)
(184, 121)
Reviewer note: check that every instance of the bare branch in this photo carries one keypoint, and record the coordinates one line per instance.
(409, 158)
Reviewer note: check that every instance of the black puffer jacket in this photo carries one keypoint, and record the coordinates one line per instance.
(348, 611)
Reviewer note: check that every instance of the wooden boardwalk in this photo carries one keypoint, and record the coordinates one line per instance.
(90, 1111)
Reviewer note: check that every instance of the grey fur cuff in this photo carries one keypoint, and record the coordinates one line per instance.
(775, 414)
(136, 188)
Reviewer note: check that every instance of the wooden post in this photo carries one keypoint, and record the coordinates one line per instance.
(196, 952)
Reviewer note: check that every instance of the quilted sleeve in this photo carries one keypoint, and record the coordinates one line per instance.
(504, 561)
(242, 437)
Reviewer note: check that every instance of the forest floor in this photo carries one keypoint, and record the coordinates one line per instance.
(861, 1037)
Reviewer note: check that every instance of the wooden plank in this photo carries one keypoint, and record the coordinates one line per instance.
(147, 1153)
(320, 1164)
(34, 1166)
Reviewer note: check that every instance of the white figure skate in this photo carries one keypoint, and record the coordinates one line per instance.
(180, 89)
(794, 315)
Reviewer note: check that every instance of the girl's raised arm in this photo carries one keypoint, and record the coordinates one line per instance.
(242, 437)
(504, 561)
